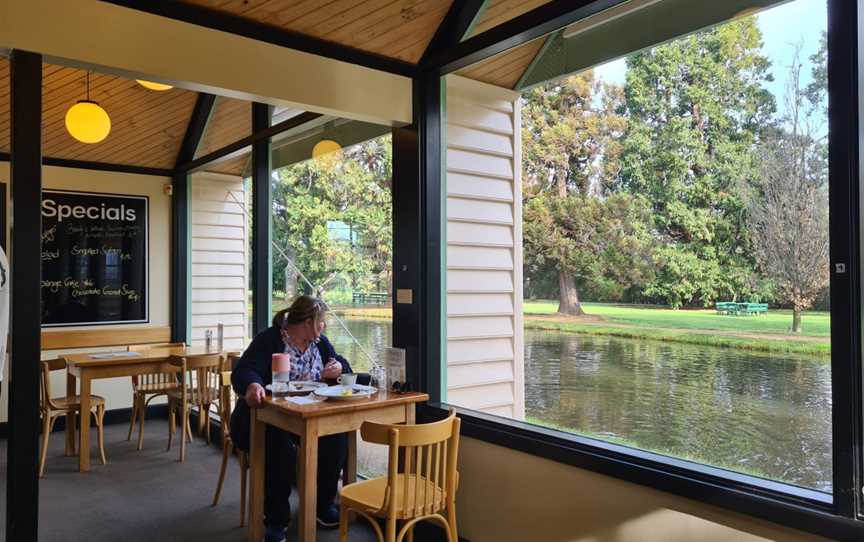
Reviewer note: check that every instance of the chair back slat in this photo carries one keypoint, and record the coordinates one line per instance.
(201, 377)
(421, 472)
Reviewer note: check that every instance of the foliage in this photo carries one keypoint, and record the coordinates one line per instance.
(333, 220)
(695, 107)
(569, 136)
(604, 244)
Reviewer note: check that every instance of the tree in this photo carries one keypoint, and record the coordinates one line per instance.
(696, 106)
(333, 221)
(790, 207)
(569, 138)
(602, 243)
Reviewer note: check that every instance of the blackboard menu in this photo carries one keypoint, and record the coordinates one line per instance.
(94, 258)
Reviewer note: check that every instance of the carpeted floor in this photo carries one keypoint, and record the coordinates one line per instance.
(146, 495)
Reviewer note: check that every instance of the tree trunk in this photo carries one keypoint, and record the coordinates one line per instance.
(568, 297)
(796, 320)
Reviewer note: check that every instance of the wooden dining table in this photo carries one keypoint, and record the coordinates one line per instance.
(309, 422)
(91, 366)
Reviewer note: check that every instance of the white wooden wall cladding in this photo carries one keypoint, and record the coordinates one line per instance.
(484, 249)
(219, 259)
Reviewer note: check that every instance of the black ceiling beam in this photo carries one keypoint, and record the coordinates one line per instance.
(456, 24)
(527, 27)
(196, 127)
(247, 141)
(98, 166)
(240, 26)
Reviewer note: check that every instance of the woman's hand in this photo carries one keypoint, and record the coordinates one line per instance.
(254, 395)
(332, 370)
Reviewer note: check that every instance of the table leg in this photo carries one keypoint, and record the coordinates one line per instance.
(84, 437)
(70, 418)
(410, 413)
(308, 483)
(256, 482)
(349, 476)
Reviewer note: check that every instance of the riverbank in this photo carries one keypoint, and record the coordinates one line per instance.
(699, 327)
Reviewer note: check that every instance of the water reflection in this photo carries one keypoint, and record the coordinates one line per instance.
(752, 412)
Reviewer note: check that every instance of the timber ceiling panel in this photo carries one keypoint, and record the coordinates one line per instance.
(501, 11)
(4, 104)
(230, 121)
(234, 166)
(147, 127)
(506, 69)
(393, 28)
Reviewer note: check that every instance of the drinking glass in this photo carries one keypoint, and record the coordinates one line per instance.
(378, 377)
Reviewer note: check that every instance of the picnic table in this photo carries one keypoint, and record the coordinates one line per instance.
(735, 308)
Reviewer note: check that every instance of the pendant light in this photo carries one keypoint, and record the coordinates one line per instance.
(154, 86)
(86, 121)
(325, 147)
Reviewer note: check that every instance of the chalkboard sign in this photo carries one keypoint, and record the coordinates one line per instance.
(94, 258)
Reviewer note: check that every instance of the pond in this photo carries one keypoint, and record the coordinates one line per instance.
(752, 412)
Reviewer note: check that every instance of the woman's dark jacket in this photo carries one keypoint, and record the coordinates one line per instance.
(254, 366)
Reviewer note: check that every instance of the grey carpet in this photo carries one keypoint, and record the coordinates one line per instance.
(146, 495)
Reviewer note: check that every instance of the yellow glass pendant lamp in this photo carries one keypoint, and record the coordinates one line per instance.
(324, 148)
(86, 121)
(154, 86)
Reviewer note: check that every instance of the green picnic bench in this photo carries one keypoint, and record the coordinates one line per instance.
(734, 308)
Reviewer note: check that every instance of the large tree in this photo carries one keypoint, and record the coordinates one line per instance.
(790, 204)
(332, 220)
(695, 108)
(570, 144)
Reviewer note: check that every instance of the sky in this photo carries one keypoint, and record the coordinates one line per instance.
(783, 26)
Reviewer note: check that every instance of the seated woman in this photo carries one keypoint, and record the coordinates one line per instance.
(297, 331)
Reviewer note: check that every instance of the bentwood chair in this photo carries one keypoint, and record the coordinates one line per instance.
(201, 376)
(147, 387)
(52, 408)
(420, 488)
(228, 448)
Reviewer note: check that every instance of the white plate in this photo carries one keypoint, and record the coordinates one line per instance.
(337, 393)
(301, 387)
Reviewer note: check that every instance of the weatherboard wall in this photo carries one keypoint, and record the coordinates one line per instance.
(484, 246)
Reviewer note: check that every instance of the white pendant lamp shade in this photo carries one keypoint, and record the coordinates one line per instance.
(87, 122)
(154, 86)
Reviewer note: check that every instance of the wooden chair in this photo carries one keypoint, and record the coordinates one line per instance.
(52, 408)
(420, 488)
(201, 376)
(228, 448)
(147, 387)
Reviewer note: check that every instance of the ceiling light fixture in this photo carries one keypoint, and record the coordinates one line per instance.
(86, 121)
(327, 153)
(154, 86)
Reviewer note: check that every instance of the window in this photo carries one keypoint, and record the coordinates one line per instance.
(673, 295)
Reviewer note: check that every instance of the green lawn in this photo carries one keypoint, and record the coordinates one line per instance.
(814, 324)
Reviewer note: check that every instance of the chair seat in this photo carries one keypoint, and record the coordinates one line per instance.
(177, 394)
(157, 387)
(73, 402)
(368, 496)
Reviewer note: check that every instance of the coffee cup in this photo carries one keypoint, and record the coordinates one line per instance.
(347, 379)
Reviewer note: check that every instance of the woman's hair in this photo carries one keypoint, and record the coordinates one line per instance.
(303, 308)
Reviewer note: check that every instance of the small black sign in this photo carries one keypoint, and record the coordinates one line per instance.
(94, 258)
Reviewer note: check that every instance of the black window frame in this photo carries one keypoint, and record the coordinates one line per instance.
(837, 517)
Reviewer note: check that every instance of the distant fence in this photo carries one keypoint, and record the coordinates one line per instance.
(370, 298)
(735, 309)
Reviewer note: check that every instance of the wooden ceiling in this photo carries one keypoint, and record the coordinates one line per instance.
(147, 127)
(506, 69)
(398, 29)
(230, 121)
(500, 11)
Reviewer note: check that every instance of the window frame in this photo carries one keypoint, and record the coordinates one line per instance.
(836, 516)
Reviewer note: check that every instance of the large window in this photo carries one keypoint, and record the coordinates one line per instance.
(675, 248)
